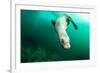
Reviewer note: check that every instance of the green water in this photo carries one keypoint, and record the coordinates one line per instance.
(40, 42)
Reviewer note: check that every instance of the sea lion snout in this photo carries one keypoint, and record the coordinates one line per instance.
(65, 44)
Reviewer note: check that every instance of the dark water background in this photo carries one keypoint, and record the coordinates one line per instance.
(40, 42)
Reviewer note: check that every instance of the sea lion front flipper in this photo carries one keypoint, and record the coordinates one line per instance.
(75, 26)
(53, 22)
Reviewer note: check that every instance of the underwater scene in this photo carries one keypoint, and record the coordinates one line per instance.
(40, 41)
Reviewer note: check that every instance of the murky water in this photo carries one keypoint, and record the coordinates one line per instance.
(40, 42)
